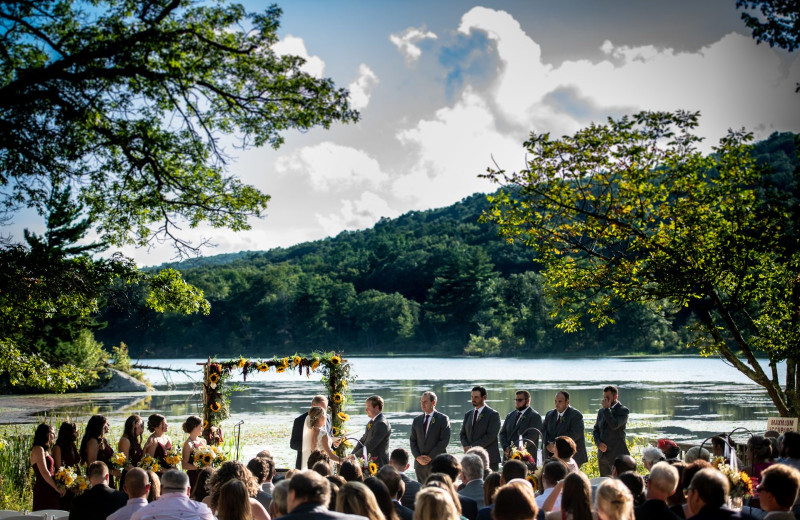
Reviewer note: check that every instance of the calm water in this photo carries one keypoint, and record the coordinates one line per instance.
(681, 398)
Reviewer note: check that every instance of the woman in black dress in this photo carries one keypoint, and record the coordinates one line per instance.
(45, 491)
(95, 446)
(65, 454)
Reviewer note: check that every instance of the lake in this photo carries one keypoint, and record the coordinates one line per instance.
(683, 398)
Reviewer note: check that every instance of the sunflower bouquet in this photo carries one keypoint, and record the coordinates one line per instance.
(65, 477)
(173, 457)
(740, 483)
(118, 460)
(523, 455)
(148, 462)
(80, 485)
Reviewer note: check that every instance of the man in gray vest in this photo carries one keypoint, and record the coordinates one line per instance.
(430, 434)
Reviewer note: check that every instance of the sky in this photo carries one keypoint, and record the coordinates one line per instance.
(448, 88)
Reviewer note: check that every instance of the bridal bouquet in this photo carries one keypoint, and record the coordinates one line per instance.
(148, 462)
(173, 457)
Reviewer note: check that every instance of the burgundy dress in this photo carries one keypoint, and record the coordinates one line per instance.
(135, 454)
(69, 458)
(104, 454)
(193, 473)
(161, 454)
(44, 496)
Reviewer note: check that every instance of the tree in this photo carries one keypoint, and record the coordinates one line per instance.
(777, 24)
(632, 212)
(130, 101)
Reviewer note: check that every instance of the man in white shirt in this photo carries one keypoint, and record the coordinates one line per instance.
(174, 502)
(137, 486)
(553, 472)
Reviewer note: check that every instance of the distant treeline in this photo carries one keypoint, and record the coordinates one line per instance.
(428, 281)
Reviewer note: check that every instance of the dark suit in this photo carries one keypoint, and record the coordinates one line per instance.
(655, 510)
(469, 508)
(719, 513)
(571, 425)
(403, 513)
(97, 503)
(433, 444)
(610, 429)
(412, 488)
(483, 433)
(296, 440)
(314, 511)
(376, 440)
(512, 429)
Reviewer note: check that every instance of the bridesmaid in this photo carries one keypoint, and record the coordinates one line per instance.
(130, 444)
(95, 446)
(45, 491)
(159, 443)
(65, 454)
(194, 427)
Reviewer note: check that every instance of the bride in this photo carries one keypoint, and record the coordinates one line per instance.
(315, 437)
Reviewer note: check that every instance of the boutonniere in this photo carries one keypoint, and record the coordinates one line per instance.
(369, 426)
(433, 419)
(480, 416)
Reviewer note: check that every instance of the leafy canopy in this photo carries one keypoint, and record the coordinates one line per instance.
(632, 212)
(128, 100)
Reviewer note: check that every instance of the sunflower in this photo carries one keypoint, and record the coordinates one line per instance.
(315, 364)
(516, 456)
(344, 383)
(280, 369)
(215, 407)
(205, 424)
(285, 362)
(343, 416)
(296, 361)
(338, 398)
(263, 367)
(242, 362)
(213, 378)
(156, 467)
(207, 459)
(373, 468)
(335, 360)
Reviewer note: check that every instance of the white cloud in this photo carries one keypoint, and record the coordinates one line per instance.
(296, 46)
(407, 41)
(332, 167)
(357, 214)
(361, 88)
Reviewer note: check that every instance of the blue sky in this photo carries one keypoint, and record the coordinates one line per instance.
(447, 88)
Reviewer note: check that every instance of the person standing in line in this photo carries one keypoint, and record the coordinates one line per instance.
(564, 420)
(481, 426)
(523, 422)
(430, 435)
(609, 430)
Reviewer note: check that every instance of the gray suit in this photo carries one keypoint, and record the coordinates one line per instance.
(376, 440)
(473, 490)
(433, 444)
(571, 425)
(483, 433)
(512, 429)
(610, 429)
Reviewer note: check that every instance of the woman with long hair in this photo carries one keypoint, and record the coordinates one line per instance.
(234, 470)
(490, 485)
(94, 445)
(351, 472)
(45, 491)
(759, 452)
(355, 498)
(315, 437)
(382, 496)
(434, 503)
(515, 501)
(193, 425)
(443, 481)
(576, 499)
(65, 455)
(159, 443)
(234, 502)
(614, 501)
(155, 486)
(200, 490)
(130, 443)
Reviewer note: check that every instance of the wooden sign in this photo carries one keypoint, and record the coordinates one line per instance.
(782, 424)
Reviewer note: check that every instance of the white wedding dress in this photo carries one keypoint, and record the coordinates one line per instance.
(311, 441)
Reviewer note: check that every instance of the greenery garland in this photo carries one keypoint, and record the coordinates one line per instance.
(336, 377)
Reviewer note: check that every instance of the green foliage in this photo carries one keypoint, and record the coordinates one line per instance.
(776, 22)
(16, 475)
(168, 291)
(631, 212)
(122, 362)
(480, 345)
(635, 446)
(32, 371)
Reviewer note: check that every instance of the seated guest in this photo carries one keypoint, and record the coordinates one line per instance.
(234, 502)
(622, 464)
(576, 499)
(671, 450)
(381, 493)
(155, 486)
(259, 468)
(635, 484)
(447, 464)
(481, 452)
(280, 495)
(355, 498)
(707, 494)
(777, 491)
(99, 501)
(686, 478)
(435, 504)
(472, 477)
(614, 501)
(696, 453)
(515, 501)
(677, 498)
(512, 469)
(351, 472)
(759, 453)
(231, 470)
(391, 477)
(174, 501)
(490, 485)
(565, 450)
(309, 494)
(199, 492)
(399, 461)
(651, 456)
(322, 467)
(661, 485)
(443, 481)
(553, 472)
(136, 486)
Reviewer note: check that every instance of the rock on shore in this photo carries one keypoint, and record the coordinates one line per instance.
(122, 382)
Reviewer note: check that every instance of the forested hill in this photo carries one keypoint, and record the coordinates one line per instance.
(428, 281)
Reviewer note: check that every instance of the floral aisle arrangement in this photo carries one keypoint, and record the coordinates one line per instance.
(336, 376)
(741, 485)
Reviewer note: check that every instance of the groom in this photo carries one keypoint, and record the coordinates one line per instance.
(481, 426)
(376, 436)
(296, 440)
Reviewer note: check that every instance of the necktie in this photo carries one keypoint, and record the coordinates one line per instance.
(425, 424)
(519, 415)
(560, 417)
(475, 418)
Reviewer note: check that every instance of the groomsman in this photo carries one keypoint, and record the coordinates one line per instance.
(296, 440)
(520, 422)
(609, 431)
(376, 436)
(566, 421)
(430, 435)
(481, 426)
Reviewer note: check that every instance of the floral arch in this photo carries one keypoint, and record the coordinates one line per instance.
(336, 376)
